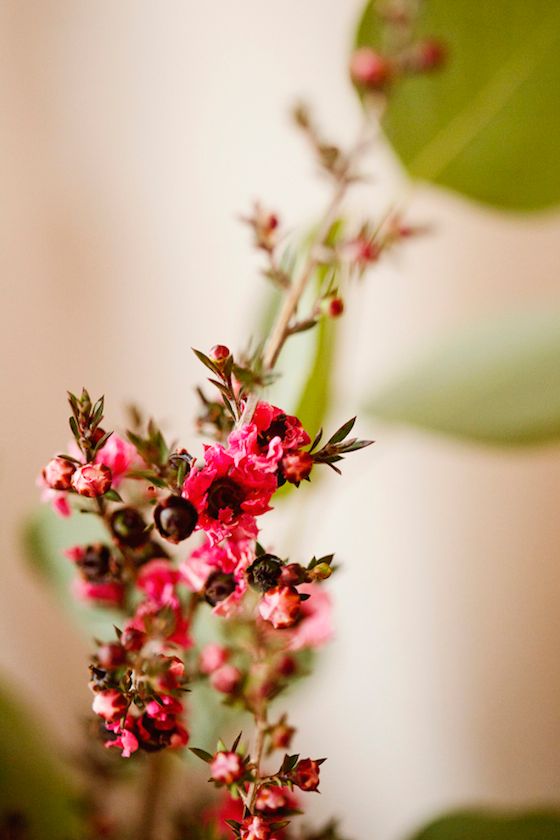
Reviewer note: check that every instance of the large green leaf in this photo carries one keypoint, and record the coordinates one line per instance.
(470, 826)
(33, 786)
(488, 124)
(497, 381)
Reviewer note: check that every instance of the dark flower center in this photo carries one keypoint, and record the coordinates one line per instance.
(276, 429)
(218, 587)
(96, 562)
(224, 493)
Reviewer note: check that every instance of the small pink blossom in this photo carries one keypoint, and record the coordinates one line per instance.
(58, 499)
(158, 580)
(110, 705)
(255, 828)
(226, 679)
(227, 768)
(315, 625)
(297, 466)
(119, 456)
(58, 473)
(212, 657)
(125, 741)
(166, 624)
(280, 606)
(109, 594)
(92, 480)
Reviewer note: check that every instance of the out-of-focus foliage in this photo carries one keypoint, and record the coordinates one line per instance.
(496, 382)
(46, 537)
(36, 796)
(488, 124)
(473, 826)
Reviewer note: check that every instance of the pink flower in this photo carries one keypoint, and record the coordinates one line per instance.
(166, 710)
(158, 580)
(125, 741)
(119, 456)
(272, 422)
(57, 498)
(306, 774)
(109, 594)
(212, 657)
(272, 799)
(231, 488)
(58, 473)
(226, 679)
(227, 768)
(280, 606)
(370, 69)
(315, 625)
(163, 623)
(92, 480)
(110, 705)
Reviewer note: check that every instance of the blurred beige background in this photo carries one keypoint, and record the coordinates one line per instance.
(132, 135)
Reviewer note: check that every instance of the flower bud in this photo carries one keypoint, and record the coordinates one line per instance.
(132, 639)
(287, 666)
(95, 562)
(226, 679)
(297, 466)
(212, 657)
(335, 307)
(281, 606)
(218, 587)
(175, 518)
(255, 828)
(128, 527)
(306, 774)
(92, 480)
(281, 735)
(270, 799)
(220, 352)
(369, 69)
(227, 768)
(58, 473)
(110, 705)
(110, 656)
(264, 572)
(322, 571)
(293, 574)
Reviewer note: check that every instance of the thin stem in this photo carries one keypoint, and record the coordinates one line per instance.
(282, 328)
(261, 722)
(150, 799)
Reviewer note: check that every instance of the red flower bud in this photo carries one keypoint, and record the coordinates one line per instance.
(297, 466)
(227, 768)
(370, 69)
(335, 307)
(306, 774)
(226, 679)
(92, 480)
(175, 518)
(111, 656)
(219, 352)
(255, 828)
(281, 735)
(110, 705)
(58, 473)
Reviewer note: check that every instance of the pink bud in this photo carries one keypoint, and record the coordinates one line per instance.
(111, 656)
(219, 352)
(212, 657)
(226, 679)
(370, 69)
(92, 480)
(227, 768)
(335, 307)
(58, 473)
(430, 55)
(306, 774)
(110, 705)
(280, 606)
(255, 828)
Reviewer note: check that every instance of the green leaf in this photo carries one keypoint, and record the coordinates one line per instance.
(488, 123)
(471, 826)
(315, 397)
(496, 381)
(33, 783)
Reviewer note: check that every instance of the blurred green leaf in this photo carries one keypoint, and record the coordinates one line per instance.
(315, 397)
(33, 784)
(46, 536)
(487, 124)
(497, 382)
(470, 826)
